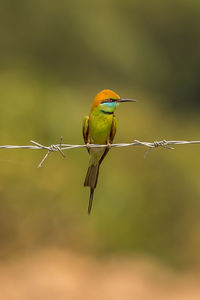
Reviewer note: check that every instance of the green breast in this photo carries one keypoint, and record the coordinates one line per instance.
(100, 126)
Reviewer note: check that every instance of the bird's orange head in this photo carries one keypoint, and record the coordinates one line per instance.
(102, 96)
(108, 99)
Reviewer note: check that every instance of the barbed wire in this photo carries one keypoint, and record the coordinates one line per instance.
(62, 147)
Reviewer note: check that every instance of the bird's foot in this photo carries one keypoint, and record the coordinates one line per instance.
(87, 146)
(108, 145)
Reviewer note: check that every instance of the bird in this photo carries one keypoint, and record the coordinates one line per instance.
(100, 128)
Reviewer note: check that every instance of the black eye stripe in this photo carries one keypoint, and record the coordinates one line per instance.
(108, 100)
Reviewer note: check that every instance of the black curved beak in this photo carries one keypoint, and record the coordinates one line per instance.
(125, 100)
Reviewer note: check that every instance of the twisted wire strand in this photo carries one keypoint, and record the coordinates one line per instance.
(61, 147)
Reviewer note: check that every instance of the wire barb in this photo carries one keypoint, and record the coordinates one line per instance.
(155, 144)
(51, 148)
(61, 147)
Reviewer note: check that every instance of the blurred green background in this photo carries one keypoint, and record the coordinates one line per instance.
(54, 58)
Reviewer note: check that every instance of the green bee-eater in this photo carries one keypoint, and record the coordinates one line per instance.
(100, 128)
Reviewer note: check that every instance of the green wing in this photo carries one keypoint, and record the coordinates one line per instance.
(85, 129)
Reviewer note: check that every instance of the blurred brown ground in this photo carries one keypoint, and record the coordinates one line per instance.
(57, 274)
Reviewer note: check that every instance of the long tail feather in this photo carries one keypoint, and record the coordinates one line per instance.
(92, 176)
(90, 200)
(91, 181)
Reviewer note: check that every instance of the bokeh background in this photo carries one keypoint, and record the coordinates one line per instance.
(54, 58)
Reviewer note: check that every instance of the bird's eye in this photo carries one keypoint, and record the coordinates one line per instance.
(108, 100)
